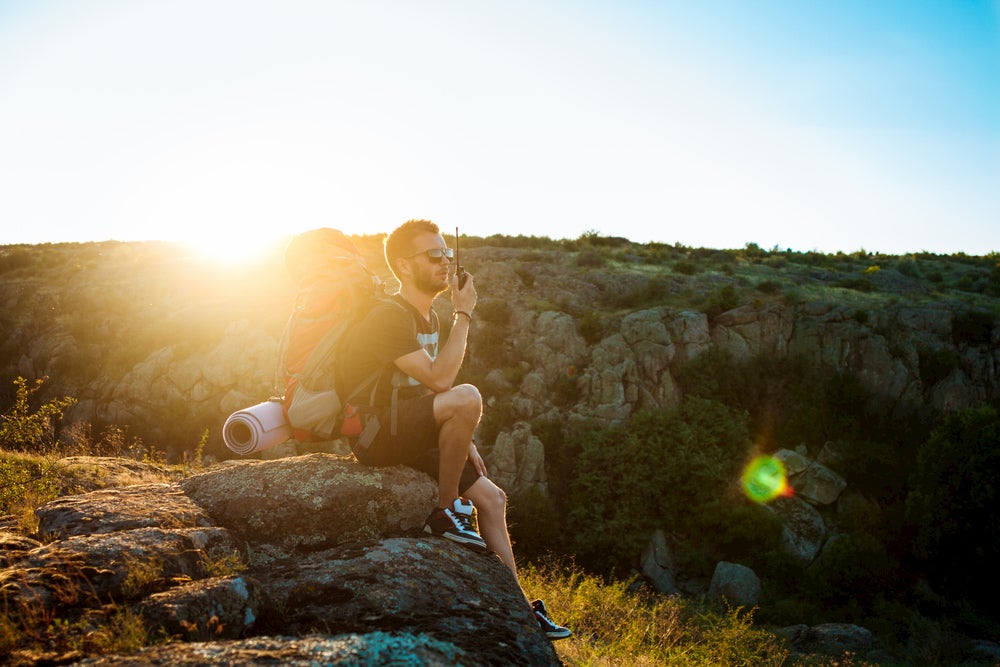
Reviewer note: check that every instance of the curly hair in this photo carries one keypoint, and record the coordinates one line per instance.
(399, 243)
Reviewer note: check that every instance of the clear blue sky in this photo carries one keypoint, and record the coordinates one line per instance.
(810, 125)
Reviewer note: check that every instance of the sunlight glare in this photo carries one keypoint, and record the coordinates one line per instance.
(230, 249)
(764, 479)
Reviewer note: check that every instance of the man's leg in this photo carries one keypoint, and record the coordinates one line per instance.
(457, 413)
(491, 506)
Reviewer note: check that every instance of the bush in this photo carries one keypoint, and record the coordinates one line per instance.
(22, 429)
(936, 365)
(953, 499)
(590, 327)
(973, 327)
(854, 569)
(657, 471)
(686, 267)
(857, 284)
(768, 286)
(723, 299)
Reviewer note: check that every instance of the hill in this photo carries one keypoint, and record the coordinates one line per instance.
(628, 387)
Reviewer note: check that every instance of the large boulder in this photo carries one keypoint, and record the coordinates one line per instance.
(414, 585)
(89, 570)
(734, 585)
(315, 556)
(373, 648)
(112, 510)
(803, 530)
(312, 502)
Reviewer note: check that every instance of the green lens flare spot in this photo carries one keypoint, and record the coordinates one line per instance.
(764, 479)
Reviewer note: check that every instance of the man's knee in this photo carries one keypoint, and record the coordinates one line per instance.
(488, 497)
(461, 401)
(468, 397)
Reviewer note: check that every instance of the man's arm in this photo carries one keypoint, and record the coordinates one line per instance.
(439, 374)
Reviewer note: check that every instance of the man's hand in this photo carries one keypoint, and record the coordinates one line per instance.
(476, 459)
(463, 299)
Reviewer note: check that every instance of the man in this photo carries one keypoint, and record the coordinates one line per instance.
(422, 419)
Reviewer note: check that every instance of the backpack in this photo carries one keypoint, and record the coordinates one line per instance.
(335, 290)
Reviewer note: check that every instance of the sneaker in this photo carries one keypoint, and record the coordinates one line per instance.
(455, 523)
(551, 630)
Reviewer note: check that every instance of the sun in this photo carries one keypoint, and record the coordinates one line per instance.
(231, 249)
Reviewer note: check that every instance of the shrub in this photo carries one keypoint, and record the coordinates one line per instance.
(768, 286)
(591, 259)
(936, 365)
(686, 267)
(690, 454)
(590, 326)
(25, 483)
(723, 299)
(953, 499)
(857, 284)
(24, 430)
(854, 569)
(973, 327)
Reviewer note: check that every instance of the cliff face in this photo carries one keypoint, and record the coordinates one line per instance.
(149, 337)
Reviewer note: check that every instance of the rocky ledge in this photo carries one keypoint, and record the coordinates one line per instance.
(307, 560)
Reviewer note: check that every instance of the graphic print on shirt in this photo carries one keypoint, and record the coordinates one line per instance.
(428, 341)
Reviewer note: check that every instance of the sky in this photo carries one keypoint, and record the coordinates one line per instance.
(832, 125)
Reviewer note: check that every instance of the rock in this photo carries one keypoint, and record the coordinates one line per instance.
(91, 569)
(14, 545)
(375, 648)
(818, 484)
(312, 502)
(689, 331)
(987, 650)
(794, 462)
(658, 564)
(414, 585)
(735, 585)
(216, 608)
(835, 639)
(111, 510)
(517, 461)
(89, 473)
(393, 599)
(812, 481)
(802, 531)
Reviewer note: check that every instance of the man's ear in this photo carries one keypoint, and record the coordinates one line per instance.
(402, 266)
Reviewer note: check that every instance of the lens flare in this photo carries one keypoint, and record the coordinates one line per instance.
(764, 479)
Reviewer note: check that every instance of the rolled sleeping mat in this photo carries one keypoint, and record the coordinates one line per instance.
(257, 427)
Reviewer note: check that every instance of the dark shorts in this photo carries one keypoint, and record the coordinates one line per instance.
(415, 443)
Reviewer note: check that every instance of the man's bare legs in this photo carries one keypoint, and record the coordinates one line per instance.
(491, 503)
(457, 412)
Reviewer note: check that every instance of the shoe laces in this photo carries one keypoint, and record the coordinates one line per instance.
(464, 520)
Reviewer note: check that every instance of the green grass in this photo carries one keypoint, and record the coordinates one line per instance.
(614, 625)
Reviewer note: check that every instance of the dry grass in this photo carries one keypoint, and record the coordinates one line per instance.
(614, 626)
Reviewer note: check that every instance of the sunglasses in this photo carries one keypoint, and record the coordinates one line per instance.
(435, 254)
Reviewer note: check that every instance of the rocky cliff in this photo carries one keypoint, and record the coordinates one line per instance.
(148, 337)
(298, 561)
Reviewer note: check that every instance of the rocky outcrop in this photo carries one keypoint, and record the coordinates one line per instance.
(312, 557)
(831, 639)
(734, 585)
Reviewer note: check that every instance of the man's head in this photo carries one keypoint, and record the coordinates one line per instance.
(406, 253)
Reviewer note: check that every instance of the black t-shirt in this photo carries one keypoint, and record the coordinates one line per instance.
(389, 331)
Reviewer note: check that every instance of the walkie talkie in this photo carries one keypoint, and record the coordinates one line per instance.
(459, 269)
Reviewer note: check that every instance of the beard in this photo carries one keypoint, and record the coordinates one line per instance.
(431, 282)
